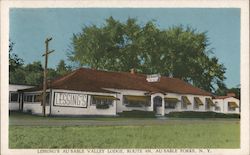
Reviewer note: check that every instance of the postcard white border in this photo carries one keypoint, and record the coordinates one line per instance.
(244, 57)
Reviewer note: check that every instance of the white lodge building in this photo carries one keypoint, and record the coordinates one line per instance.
(92, 92)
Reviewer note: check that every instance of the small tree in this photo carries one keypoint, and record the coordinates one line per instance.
(62, 68)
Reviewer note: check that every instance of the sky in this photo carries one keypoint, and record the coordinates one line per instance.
(30, 27)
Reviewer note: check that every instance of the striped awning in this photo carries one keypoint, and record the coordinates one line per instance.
(171, 100)
(137, 98)
(210, 102)
(105, 97)
(185, 100)
(233, 105)
(198, 101)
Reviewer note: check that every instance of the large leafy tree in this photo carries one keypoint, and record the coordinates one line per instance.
(180, 52)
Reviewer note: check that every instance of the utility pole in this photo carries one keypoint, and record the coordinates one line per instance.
(47, 52)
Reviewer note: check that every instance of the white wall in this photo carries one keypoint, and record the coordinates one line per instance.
(89, 110)
(35, 108)
(118, 105)
(121, 107)
(223, 104)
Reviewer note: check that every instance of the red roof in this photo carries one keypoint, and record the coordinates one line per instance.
(222, 97)
(92, 80)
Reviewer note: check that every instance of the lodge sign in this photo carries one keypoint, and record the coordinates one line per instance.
(153, 78)
(70, 99)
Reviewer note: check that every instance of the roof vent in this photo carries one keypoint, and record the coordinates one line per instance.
(153, 77)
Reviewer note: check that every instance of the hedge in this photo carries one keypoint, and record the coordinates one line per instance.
(195, 114)
(137, 114)
(102, 106)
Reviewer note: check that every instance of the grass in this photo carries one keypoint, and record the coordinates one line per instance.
(27, 116)
(177, 135)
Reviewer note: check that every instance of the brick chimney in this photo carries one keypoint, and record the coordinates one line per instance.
(231, 94)
(132, 71)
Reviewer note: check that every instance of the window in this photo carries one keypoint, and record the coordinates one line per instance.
(14, 97)
(136, 101)
(209, 103)
(157, 101)
(28, 98)
(37, 98)
(101, 101)
(184, 102)
(232, 106)
(170, 102)
(170, 105)
(183, 105)
(207, 107)
(197, 102)
(196, 105)
(231, 109)
(217, 108)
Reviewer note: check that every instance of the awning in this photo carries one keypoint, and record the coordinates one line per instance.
(233, 105)
(171, 100)
(198, 100)
(137, 98)
(210, 102)
(186, 100)
(105, 97)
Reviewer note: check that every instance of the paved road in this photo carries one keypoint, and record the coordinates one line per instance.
(122, 122)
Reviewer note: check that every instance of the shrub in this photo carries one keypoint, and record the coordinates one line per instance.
(102, 106)
(134, 105)
(137, 114)
(195, 114)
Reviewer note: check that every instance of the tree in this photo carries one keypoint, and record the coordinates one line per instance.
(16, 74)
(62, 68)
(14, 61)
(34, 73)
(31, 73)
(176, 52)
(223, 90)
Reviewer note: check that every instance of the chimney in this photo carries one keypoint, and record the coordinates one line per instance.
(132, 71)
(231, 94)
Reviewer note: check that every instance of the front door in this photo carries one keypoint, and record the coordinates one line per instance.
(157, 105)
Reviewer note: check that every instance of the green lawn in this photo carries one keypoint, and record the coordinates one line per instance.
(175, 135)
(25, 116)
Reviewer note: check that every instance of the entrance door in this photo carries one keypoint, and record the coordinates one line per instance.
(157, 105)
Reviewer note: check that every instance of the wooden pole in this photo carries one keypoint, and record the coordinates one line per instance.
(47, 52)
